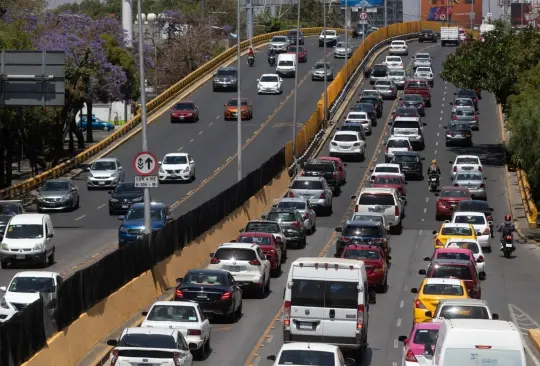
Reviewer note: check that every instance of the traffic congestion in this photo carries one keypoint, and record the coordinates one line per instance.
(384, 250)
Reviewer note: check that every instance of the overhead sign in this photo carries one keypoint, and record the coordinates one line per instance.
(145, 163)
(363, 16)
(149, 181)
(362, 3)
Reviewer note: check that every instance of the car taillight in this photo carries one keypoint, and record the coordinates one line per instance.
(302, 173)
(409, 357)
(480, 259)
(179, 294)
(194, 332)
(334, 174)
(486, 231)
(114, 357)
(409, 148)
(291, 194)
(378, 269)
(177, 356)
(360, 316)
(456, 185)
(441, 203)
(295, 225)
(386, 150)
(475, 118)
(255, 262)
(439, 243)
(287, 313)
(226, 296)
(356, 208)
(455, 117)
(482, 185)
(396, 211)
(418, 304)
(306, 215)
(490, 218)
(454, 169)
(323, 195)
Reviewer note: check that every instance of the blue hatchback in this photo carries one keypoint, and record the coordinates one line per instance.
(132, 227)
(97, 124)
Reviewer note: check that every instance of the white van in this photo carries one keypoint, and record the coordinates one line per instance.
(286, 65)
(28, 237)
(327, 300)
(471, 342)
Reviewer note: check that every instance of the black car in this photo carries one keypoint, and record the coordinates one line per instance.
(123, 196)
(325, 169)
(361, 232)
(410, 163)
(378, 72)
(215, 291)
(226, 78)
(458, 134)
(465, 93)
(294, 35)
(477, 206)
(369, 108)
(427, 35)
(405, 112)
(8, 209)
(357, 32)
(377, 103)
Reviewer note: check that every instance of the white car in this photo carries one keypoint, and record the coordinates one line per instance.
(386, 169)
(362, 118)
(474, 247)
(329, 36)
(177, 167)
(393, 62)
(151, 346)
(25, 288)
(424, 72)
(396, 144)
(269, 84)
(247, 264)
(480, 223)
(399, 48)
(184, 316)
(371, 216)
(422, 59)
(298, 353)
(468, 163)
(348, 143)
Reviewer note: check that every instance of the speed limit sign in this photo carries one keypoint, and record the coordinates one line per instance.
(363, 16)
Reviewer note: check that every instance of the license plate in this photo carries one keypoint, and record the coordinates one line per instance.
(139, 236)
(234, 268)
(453, 205)
(174, 175)
(20, 256)
(202, 297)
(509, 245)
(144, 364)
(306, 195)
(101, 183)
(125, 206)
(182, 117)
(307, 326)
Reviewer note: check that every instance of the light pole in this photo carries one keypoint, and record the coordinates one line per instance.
(363, 21)
(147, 213)
(386, 13)
(346, 37)
(239, 102)
(325, 64)
(296, 85)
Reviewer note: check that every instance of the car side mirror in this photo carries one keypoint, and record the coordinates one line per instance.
(371, 170)
(495, 316)
(211, 255)
(336, 255)
(422, 159)
(436, 194)
(455, 93)
(224, 105)
(258, 79)
(50, 235)
(112, 342)
(450, 103)
(305, 217)
(120, 168)
(144, 313)
(121, 218)
(353, 197)
(193, 347)
(241, 230)
(414, 290)
(485, 178)
(428, 350)
(338, 229)
(427, 259)
(425, 124)
(271, 358)
(350, 361)
(422, 272)
(159, 162)
(263, 217)
(179, 281)
(3, 288)
(445, 127)
(434, 232)
(429, 314)
(477, 112)
(403, 339)
(482, 276)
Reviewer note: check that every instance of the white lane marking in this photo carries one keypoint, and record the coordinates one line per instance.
(394, 363)
(180, 149)
(395, 343)
(524, 322)
(375, 159)
(436, 143)
(443, 101)
(200, 133)
(420, 232)
(398, 324)
(425, 209)
(80, 217)
(401, 304)
(191, 140)
(435, 152)
(210, 124)
(438, 134)
(445, 92)
(103, 205)
(405, 288)
(441, 120)
(218, 117)
(427, 199)
(422, 219)
(442, 113)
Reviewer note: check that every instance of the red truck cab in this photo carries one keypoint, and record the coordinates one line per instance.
(419, 86)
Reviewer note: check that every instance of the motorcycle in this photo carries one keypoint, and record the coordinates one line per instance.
(433, 183)
(271, 60)
(251, 60)
(507, 243)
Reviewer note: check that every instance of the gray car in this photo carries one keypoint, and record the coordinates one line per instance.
(315, 189)
(398, 77)
(292, 225)
(387, 88)
(421, 59)
(8, 209)
(317, 72)
(279, 44)
(414, 101)
(467, 115)
(225, 78)
(302, 205)
(295, 35)
(459, 103)
(342, 50)
(58, 194)
(105, 173)
(475, 182)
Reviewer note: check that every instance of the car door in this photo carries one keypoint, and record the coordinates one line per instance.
(191, 162)
(340, 306)
(187, 358)
(205, 324)
(265, 262)
(237, 290)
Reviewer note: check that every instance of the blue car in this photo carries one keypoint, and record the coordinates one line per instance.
(97, 124)
(132, 227)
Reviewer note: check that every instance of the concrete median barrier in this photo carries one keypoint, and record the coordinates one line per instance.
(526, 196)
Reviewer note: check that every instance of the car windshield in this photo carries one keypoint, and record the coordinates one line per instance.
(320, 65)
(380, 71)
(263, 227)
(127, 188)
(260, 240)
(464, 312)
(226, 73)
(459, 126)
(9, 209)
(24, 231)
(451, 271)
(470, 219)
(454, 193)
(359, 230)
(421, 56)
(473, 247)
(214, 279)
(292, 33)
(104, 165)
(293, 49)
(393, 59)
(412, 98)
(467, 93)
(362, 217)
(237, 254)
(376, 199)
(368, 254)
(55, 186)
(428, 31)
(456, 230)
(443, 289)
(148, 341)
(304, 357)
(469, 176)
(184, 106)
(386, 169)
(234, 102)
(138, 214)
(346, 138)
(462, 161)
(400, 158)
(396, 73)
(398, 143)
(279, 39)
(308, 185)
(398, 43)
(286, 63)
(328, 33)
(474, 206)
(173, 313)
(362, 116)
(182, 159)
(461, 102)
(405, 124)
(342, 45)
(425, 336)
(281, 216)
(387, 180)
(465, 113)
(32, 284)
(406, 112)
(364, 107)
(269, 79)
(454, 256)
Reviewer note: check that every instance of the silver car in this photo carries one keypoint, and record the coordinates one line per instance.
(105, 173)
(459, 103)
(422, 59)
(424, 72)
(315, 189)
(467, 115)
(398, 77)
(58, 194)
(317, 72)
(342, 50)
(302, 205)
(473, 181)
(387, 88)
(279, 44)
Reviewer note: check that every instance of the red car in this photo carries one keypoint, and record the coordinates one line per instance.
(269, 246)
(302, 52)
(390, 181)
(452, 253)
(185, 111)
(464, 270)
(449, 198)
(373, 258)
(340, 166)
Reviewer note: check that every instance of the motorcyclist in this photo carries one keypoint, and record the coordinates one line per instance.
(251, 53)
(507, 228)
(434, 170)
(271, 53)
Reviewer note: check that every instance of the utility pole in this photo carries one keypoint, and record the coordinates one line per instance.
(386, 13)
(325, 64)
(296, 85)
(239, 101)
(346, 37)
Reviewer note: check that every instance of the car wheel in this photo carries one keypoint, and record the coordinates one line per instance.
(4, 264)
(44, 261)
(51, 258)
(261, 292)
(231, 318)
(111, 212)
(384, 287)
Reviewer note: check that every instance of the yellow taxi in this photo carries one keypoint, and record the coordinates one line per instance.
(449, 230)
(431, 292)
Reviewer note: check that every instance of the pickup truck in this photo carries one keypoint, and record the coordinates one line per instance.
(419, 86)
(449, 35)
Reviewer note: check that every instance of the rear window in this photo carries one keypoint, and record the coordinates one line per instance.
(346, 138)
(398, 143)
(412, 98)
(469, 176)
(442, 289)
(361, 217)
(255, 240)
(352, 127)
(460, 231)
(307, 184)
(465, 112)
(361, 254)
(464, 312)
(357, 230)
(147, 341)
(417, 84)
(332, 294)
(425, 336)
(474, 206)
(457, 193)
(461, 102)
(377, 199)
(383, 83)
(281, 216)
(263, 227)
(405, 124)
(320, 167)
(292, 205)
(455, 256)
(304, 357)
(474, 220)
(387, 180)
(143, 353)
(175, 313)
(473, 247)
(379, 71)
(393, 59)
(421, 56)
(357, 116)
(473, 161)
(396, 73)
(398, 158)
(387, 169)
(451, 271)
(235, 253)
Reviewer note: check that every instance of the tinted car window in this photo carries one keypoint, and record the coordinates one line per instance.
(357, 230)
(127, 187)
(386, 169)
(307, 184)
(474, 206)
(255, 240)
(425, 336)
(341, 295)
(184, 106)
(398, 143)
(352, 127)
(292, 204)
(474, 220)
(412, 98)
(307, 293)
(468, 176)
(379, 71)
(223, 73)
(235, 253)
(464, 312)
(465, 112)
(361, 254)
(417, 84)
(457, 193)
(405, 124)
(281, 216)
(474, 161)
(455, 256)
(404, 158)
(442, 289)
(168, 313)
(346, 138)
(451, 271)
(147, 341)
(376, 199)
(461, 231)
(387, 180)
(214, 279)
(263, 227)
(468, 245)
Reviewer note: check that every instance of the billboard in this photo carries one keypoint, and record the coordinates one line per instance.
(366, 3)
(525, 14)
(457, 12)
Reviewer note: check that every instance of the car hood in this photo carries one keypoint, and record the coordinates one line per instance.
(21, 297)
(103, 173)
(53, 194)
(174, 166)
(22, 243)
(5, 218)
(140, 223)
(129, 196)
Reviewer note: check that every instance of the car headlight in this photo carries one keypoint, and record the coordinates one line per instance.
(138, 199)
(123, 230)
(66, 197)
(161, 170)
(5, 246)
(216, 80)
(113, 200)
(186, 170)
(4, 304)
(39, 198)
(38, 246)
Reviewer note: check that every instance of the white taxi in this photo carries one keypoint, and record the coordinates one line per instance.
(480, 223)
(394, 62)
(399, 48)
(468, 163)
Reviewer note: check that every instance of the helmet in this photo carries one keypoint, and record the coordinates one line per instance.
(508, 218)
(433, 161)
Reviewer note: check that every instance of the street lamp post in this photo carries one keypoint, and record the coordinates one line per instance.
(325, 64)
(296, 85)
(346, 37)
(239, 102)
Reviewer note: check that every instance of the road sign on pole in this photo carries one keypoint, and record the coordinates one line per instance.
(145, 163)
(363, 16)
(148, 181)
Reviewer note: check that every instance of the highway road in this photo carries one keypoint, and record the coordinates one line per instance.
(511, 287)
(83, 234)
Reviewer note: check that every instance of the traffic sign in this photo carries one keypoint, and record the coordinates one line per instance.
(362, 22)
(489, 15)
(471, 15)
(149, 181)
(363, 16)
(145, 163)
